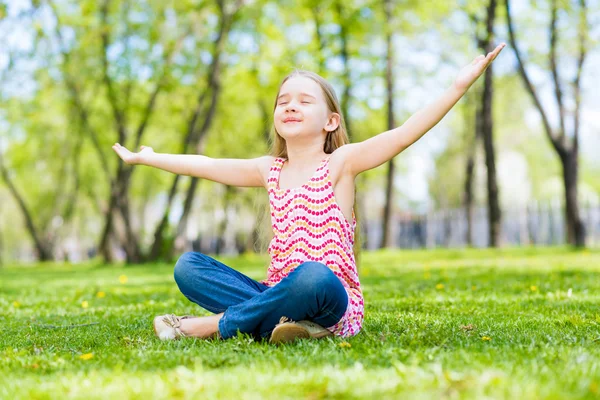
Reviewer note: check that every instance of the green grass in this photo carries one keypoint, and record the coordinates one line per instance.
(439, 324)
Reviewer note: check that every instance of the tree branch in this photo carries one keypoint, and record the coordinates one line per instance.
(583, 29)
(112, 96)
(555, 77)
(159, 85)
(43, 251)
(528, 85)
(75, 94)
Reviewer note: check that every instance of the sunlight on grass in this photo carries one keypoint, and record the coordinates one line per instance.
(514, 323)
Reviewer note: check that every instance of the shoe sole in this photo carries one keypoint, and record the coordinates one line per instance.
(290, 332)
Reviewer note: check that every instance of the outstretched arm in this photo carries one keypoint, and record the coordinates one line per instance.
(379, 149)
(233, 172)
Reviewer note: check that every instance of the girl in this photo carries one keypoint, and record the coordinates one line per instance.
(312, 277)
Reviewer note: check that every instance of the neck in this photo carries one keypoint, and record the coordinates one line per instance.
(305, 155)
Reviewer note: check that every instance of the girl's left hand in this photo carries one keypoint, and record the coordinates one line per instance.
(471, 72)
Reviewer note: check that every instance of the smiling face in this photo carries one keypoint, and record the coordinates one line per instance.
(301, 110)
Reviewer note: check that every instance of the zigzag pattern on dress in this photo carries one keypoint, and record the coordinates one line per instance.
(308, 225)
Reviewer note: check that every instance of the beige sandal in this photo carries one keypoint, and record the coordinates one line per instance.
(168, 327)
(288, 331)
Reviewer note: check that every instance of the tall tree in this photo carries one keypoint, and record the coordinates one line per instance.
(45, 217)
(120, 85)
(487, 132)
(386, 239)
(344, 21)
(43, 250)
(566, 144)
(472, 138)
(195, 136)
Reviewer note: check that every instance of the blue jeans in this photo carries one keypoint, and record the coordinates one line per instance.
(310, 292)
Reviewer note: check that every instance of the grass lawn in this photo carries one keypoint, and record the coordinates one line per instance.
(515, 323)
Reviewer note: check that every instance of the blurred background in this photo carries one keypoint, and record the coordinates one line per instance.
(515, 163)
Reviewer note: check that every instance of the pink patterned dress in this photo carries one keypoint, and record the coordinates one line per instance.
(308, 225)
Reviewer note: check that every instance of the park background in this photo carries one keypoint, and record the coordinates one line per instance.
(200, 77)
(480, 264)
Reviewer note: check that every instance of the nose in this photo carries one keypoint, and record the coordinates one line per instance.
(291, 106)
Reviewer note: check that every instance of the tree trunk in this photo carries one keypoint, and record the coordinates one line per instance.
(494, 213)
(468, 192)
(566, 148)
(473, 133)
(43, 251)
(230, 192)
(573, 222)
(195, 137)
(386, 239)
(132, 243)
(187, 207)
(347, 87)
(200, 137)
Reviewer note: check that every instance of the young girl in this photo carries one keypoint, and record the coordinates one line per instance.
(312, 277)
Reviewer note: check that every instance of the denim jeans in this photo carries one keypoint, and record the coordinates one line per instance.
(310, 292)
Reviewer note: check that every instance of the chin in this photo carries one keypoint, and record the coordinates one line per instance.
(290, 133)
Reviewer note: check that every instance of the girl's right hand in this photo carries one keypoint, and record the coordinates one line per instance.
(132, 158)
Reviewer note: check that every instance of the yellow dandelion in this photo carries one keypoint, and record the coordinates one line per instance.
(123, 279)
(86, 356)
(486, 338)
(533, 288)
(344, 344)
(16, 304)
(473, 287)
(439, 286)
(100, 295)
(427, 275)
(85, 304)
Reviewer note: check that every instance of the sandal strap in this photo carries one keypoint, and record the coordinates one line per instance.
(284, 320)
(174, 322)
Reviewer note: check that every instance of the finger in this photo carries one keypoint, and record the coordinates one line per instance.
(496, 52)
(477, 59)
(499, 48)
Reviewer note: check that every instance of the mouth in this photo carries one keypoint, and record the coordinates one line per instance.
(289, 120)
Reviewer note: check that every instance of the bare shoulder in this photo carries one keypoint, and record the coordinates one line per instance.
(264, 165)
(339, 164)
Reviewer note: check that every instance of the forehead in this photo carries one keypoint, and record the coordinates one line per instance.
(301, 84)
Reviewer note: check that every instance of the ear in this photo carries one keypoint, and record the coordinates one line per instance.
(333, 122)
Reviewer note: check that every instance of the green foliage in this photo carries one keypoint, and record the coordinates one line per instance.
(43, 124)
(461, 323)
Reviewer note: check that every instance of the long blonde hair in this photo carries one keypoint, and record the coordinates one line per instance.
(334, 139)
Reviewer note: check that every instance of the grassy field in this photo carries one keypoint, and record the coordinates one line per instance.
(515, 324)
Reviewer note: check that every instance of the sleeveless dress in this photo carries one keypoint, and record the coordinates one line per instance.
(308, 225)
